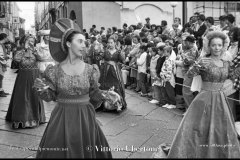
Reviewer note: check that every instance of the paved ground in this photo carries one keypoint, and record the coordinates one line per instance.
(142, 125)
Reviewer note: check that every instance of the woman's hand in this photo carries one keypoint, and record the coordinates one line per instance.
(40, 85)
(204, 61)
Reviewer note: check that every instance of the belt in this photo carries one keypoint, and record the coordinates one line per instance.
(46, 60)
(74, 99)
(210, 86)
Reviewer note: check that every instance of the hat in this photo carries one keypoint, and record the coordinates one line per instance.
(160, 44)
(190, 39)
(61, 29)
(147, 18)
(43, 32)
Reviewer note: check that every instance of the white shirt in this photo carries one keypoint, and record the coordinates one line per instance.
(141, 62)
(1, 51)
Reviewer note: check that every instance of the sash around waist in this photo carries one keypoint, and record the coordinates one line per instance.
(74, 99)
(212, 86)
(46, 60)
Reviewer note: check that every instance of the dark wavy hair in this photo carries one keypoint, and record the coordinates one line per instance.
(70, 37)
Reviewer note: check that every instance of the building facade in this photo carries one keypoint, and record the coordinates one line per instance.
(10, 21)
(134, 12)
(215, 9)
(115, 13)
(85, 14)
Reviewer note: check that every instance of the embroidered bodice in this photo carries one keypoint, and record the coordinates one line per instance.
(28, 60)
(64, 85)
(211, 73)
(116, 57)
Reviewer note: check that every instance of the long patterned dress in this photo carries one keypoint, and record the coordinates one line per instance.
(111, 74)
(72, 131)
(207, 130)
(26, 108)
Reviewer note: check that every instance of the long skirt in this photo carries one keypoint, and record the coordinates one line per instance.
(14, 64)
(26, 108)
(112, 76)
(73, 132)
(187, 93)
(207, 130)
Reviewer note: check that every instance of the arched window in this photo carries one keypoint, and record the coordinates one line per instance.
(72, 15)
(62, 11)
(58, 15)
(65, 11)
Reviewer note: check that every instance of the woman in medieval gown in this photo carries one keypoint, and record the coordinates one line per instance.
(72, 131)
(26, 109)
(111, 75)
(207, 130)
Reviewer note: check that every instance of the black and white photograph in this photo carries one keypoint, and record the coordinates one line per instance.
(119, 79)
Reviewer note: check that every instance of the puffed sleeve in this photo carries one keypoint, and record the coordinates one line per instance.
(234, 73)
(95, 94)
(50, 79)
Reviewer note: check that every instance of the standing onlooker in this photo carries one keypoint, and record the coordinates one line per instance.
(209, 22)
(230, 22)
(167, 77)
(165, 29)
(142, 70)
(179, 73)
(175, 32)
(125, 70)
(153, 74)
(94, 55)
(157, 86)
(132, 56)
(223, 23)
(3, 62)
(178, 21)
(125, 28)
(202, 28)
(148, 25)
(103, 32)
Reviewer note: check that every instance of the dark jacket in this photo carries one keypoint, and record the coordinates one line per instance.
(160, 62)
(201, 31)
(198, 35)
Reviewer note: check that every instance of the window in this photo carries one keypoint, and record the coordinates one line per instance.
(73, 15)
